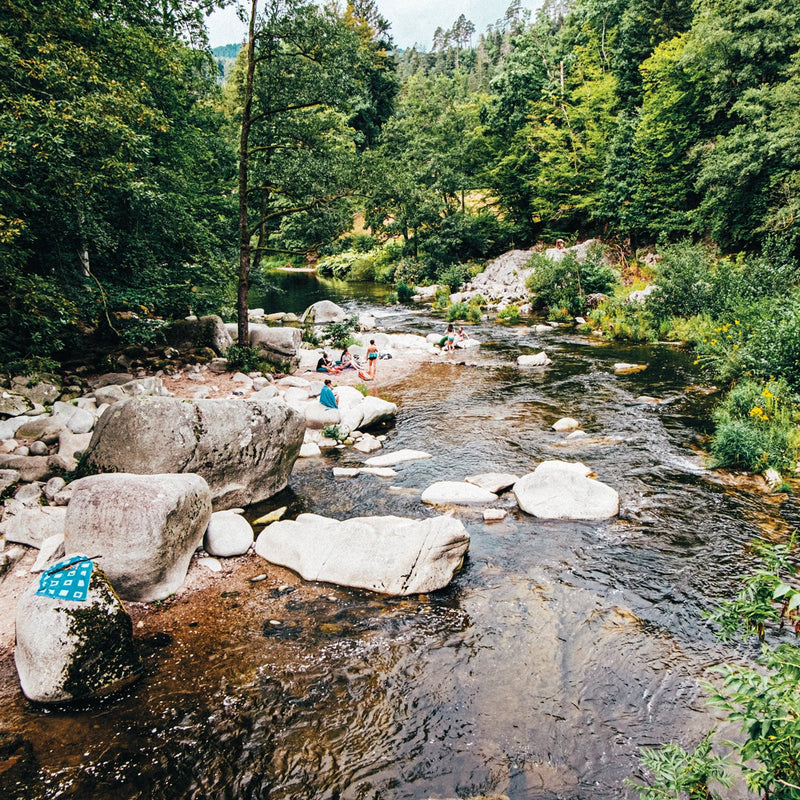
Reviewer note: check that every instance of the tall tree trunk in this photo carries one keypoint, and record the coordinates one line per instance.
(244, 228)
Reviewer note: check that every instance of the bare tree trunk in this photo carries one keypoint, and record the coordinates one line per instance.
(244, 228)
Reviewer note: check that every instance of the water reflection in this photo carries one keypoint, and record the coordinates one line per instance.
(559, 651)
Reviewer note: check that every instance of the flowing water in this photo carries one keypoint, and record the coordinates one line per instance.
(559, 650)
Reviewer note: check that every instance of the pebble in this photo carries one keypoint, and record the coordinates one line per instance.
(258, 578)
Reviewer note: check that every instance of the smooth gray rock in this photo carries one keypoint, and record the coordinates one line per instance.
(111, 379)
(457, 493)
(374, 410)
(71, 650)
(29, 494)
(10, 426)
(228, 534)
(8, 477)
(390, 555)
(324, 312)
(30, 468)
(534, 360)
(39, 392)
(47, 429)
(71, 445)
(53, 487)
(38, 448)
(110, 394)
(81, 421)
(397, 457)
(209, 331)
(145, 528)
(566, 425)
(13, 404)
(244, 448)
(278, 345)
(563, 490)
(30, 525)
(495, 482)
(51, 549)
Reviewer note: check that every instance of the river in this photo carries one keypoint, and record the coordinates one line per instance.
(559, 650)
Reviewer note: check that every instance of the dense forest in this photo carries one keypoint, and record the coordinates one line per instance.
(643, 124)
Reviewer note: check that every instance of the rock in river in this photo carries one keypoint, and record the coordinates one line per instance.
(563, 490)
(390, 555)
(74, 649)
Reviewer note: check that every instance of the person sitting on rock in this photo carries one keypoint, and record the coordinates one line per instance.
(350, 361)
(326, 395)
(326, 365)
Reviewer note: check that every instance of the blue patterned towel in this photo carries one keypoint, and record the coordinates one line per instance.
(68, 579)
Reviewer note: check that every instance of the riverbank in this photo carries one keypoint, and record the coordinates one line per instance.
(200, 581)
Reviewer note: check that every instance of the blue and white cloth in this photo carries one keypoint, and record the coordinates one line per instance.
(67, 580)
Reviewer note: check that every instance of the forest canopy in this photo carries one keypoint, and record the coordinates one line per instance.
(120, 146)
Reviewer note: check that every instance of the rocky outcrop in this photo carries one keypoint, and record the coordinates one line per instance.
(390, 555)
(504, 278)
(244, 449)
(143, 529)
(564, 490)
(69, 650)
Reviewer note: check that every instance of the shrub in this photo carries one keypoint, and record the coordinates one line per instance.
(564, 284)
(246, 359)
(509, 314)
(340, 334)
(333, 432)
(621, 320)
(404, 292)
(756, 428)
(455, 276)
(684, 277)
(457, 311)
(441, 300)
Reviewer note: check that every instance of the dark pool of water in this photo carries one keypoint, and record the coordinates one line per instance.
(559, 651)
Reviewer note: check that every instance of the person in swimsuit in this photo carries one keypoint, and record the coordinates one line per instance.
(372, 358)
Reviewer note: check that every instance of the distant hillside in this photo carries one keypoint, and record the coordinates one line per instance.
(227, 51)
(226, 57)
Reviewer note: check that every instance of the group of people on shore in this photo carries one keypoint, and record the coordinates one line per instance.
(350, 360)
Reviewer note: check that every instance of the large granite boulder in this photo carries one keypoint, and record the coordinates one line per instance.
(245, 449)
(143, 528)
(324, 312)
(564, 490)
(209, 331)
(74, 649)
(389, 555)
(279, 346)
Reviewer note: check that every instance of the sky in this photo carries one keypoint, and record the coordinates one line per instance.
(412, 21)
